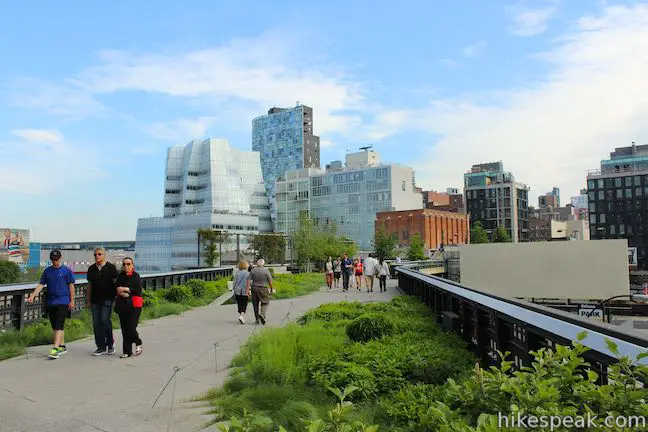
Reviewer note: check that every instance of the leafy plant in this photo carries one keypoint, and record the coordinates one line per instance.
(384, 242)
(416, 251)
(9, 272)
(368, 327)
(478, 234)
(501, 235)
(177, 293)
(198, 287)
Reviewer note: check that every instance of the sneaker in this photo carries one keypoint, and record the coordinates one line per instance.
(138, 350)
(54, 353)
(123, 356)
(62, 349)
(110, 351)
(262, 320)
(100, 351)
(241, 319)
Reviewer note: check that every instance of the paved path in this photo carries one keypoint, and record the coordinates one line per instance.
(81, 393)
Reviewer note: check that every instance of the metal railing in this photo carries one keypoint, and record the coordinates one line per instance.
(489, 324)
(15, 312)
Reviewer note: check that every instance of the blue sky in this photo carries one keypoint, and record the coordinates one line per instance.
(91, 97)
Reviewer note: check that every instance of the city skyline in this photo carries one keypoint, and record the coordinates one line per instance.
(549, 88)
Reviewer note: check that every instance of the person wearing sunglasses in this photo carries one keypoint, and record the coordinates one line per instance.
(129, 306)
(100, 296)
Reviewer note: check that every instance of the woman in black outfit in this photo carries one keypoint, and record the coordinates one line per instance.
(129, 306)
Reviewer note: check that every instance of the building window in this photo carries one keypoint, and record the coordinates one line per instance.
(638, 191)
(619, 193)
(590, 184)
(628, 192)
(592, 207)
(621, 229)
(600, 183)
(617, 182)
(601, 195)
(592, 218)
(637, 180)
(602, 218)
(592, 195)
(612, 229)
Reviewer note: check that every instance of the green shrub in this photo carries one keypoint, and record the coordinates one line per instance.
(271, 270)
(151, 298)
(198, 287)
(368, 327)
(177, 294)
(333, 312)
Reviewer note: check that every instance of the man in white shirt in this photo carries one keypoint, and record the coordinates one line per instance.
(370, 267)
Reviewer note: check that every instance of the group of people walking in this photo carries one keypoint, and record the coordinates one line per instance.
(256, 283)
(352, 272)
(108, 289)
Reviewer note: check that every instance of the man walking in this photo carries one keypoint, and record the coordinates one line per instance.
(59, 299)
(258, 282)
(370, 265)
(347, 271)
(100, 295)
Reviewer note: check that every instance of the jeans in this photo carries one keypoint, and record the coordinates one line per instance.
(345, 280)
(102, 324)
(383, 282)
(128, 320)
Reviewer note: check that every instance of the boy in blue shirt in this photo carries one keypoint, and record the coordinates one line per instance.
(59, 299)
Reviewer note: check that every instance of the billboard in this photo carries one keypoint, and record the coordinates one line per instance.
(15, 246)
(632, 256)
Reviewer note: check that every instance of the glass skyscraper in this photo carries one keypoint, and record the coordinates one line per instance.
(284, 138)
(348, 197)
(208, 185)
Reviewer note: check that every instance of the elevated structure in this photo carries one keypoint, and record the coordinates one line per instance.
(209, 184)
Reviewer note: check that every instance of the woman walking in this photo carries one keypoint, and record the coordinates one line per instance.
(337, 271)
(329, 273)
(358, 273)
(383, 273)
(129, 306)
(241, 291)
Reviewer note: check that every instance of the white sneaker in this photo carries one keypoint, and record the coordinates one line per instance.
(241, 319)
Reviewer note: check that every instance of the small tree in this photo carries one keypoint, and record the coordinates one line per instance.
(211, 242)
(416, 251)
(9, 272)
(305, 243)
(270, 246)
(501, 235)
(384, 243)
(478, 234)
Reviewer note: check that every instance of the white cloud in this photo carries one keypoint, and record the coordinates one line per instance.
(38, 135)
(531, 21)
(182, 130)
(448, 62)
(594, 99)
(474, 50)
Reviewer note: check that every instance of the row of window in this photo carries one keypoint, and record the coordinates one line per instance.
(617, 182)
(617, 193)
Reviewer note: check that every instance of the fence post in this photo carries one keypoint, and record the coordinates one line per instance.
(18, 311)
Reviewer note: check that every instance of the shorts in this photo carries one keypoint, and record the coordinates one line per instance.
(336, 275)
(358, 273)
(57, 315)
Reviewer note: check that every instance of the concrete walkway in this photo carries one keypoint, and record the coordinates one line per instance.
(82, 393)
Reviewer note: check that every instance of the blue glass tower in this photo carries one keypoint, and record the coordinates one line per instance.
(284, 138)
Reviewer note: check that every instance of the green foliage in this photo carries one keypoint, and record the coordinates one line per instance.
(210, 241)
(151, 298)
(198, 287)
(301, 362)
(31, 275)
(269, 246)
(295, 285)
(501, 235)
(478, 234)
(368, 327)
(384, 243)
(9, 272)
(271, 270)
(314, 243)
(416, 251)
(177, 294)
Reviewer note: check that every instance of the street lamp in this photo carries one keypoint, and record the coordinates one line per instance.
(633, 298)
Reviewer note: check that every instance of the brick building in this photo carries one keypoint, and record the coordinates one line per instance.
(435, 227)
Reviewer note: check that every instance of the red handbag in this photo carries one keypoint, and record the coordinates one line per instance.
(138, 301)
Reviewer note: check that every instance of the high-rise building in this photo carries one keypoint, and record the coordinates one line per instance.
(494, 198)
(617, 196)
(348, 197)
(284, 138)
(209, 184)
(550, 199)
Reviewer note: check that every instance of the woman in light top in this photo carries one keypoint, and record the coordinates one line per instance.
(329, 273)
(383, 274)
(241, 292)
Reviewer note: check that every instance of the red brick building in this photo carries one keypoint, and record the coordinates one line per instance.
(435, 227)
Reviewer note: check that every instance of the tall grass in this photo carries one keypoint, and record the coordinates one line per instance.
(285, 373)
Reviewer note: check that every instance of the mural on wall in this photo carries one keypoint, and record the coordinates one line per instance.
(15, 246)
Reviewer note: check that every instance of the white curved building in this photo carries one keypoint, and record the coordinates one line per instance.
(208, 184)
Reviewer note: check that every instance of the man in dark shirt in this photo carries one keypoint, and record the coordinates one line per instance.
(100, 296)
(347, 271)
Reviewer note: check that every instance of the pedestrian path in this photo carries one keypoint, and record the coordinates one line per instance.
(82, 393)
